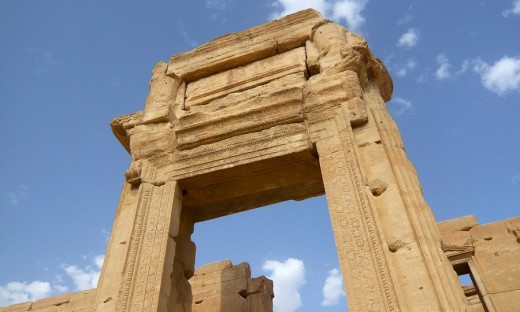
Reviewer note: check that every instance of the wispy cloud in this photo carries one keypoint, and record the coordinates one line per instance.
(15, 292)
(502, 77)
(289, 277)
(44, 61)
(443, 71)
(348, 11)
(403, 106)
(82, 277)
(515, 10)
(409, 39)
(333, 288)
(188, 39)
(406, 68)
(88, 276)
(14, 197)
(106, 234)
(405, 19)
(515, 179)
(463, 67)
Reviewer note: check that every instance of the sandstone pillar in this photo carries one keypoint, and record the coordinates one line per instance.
(365, 272)
(386, 235)
(139, 278)
(150, 254)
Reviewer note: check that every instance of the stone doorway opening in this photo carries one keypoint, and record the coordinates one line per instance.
(280, 234)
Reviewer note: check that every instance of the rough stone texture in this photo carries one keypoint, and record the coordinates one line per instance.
(83, 301)
(290, 109)
(490, 253)
(221, 286)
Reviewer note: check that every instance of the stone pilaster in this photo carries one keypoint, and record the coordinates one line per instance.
(365, 272)
(386, 235)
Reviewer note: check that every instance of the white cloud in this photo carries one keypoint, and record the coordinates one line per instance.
(405, 20)
(409, 39)
(83, 278)
(106, 234)
(403, 71)
(514, 10)
(13, 198)
(443, 72)
(16, 292)
(348, 11)
(333, 288)
(502, 77)
(463, 68)
(288, 277)
(87, 277)
(403, 105)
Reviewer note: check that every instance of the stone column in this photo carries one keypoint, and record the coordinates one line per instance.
(183, 268)
(150, 254)
(365, 272)
(143, 277)
(388, 244)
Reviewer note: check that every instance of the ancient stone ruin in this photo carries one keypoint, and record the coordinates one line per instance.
(287, 110)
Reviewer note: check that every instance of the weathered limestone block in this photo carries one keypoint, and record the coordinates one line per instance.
(359, 247)
(433, 276)
(341, 50)
(313, 58)
(221, 287)
(355, 111)
(490, 252)
(506, 301)
(456, 241)
(245, 47)
(263, 107)
(83, 301)
(464, 223)
(117, 249)
(121, 126)
(163, 90)
(240, 149)
(245, 77)
(513, 226)
(19, 307)
(488, 231)
(497, 254)
(148, 265)
(149, 140)
(51, 303)
(323, 96)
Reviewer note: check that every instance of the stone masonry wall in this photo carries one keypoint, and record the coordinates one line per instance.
(489, 254)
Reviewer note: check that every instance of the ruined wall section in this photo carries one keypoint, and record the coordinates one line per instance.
(489, 255)
(222, 286)
(82, 301)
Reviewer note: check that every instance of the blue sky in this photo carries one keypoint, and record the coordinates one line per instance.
(67, 67)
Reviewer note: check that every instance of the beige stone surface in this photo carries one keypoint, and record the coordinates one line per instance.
(223, 287)
(490, 253)
(245, 47)
(464, 223)
(207, 89)
(83, 301)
